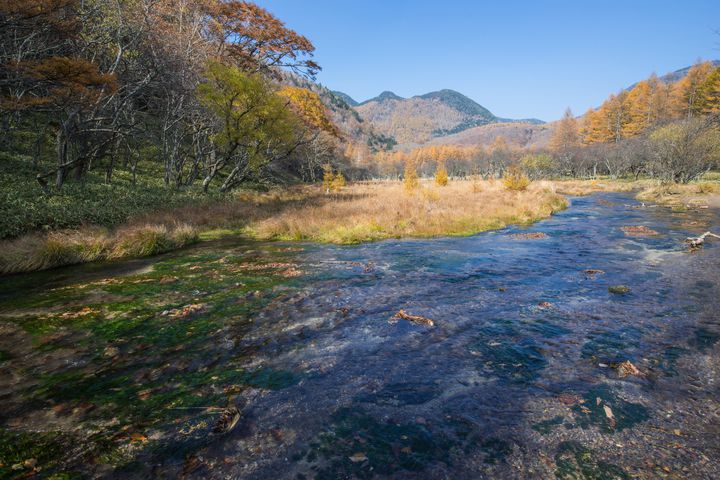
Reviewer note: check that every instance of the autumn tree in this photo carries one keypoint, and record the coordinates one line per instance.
(257, 42)
(684, 151)
(566, 134)
(441, 174)
(709, 94)
(254, 126)
(686, 94)
(410, 177)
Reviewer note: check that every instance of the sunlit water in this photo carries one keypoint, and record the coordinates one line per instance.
(125, 370)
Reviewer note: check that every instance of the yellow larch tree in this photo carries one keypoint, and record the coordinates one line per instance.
(638, 103)
(709, 101)
(566, 134)
(685, 93)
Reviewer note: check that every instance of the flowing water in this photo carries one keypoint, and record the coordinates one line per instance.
(138, 369)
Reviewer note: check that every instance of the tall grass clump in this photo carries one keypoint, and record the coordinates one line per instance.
(515, 179)
(68, 247)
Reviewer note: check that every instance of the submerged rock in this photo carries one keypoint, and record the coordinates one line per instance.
(626, 369)
(619, 289)
(638, 231)
(532, 235)
(228, 420)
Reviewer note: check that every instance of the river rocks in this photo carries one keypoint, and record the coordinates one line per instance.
(416, 319)
(229, 418)
(185, 311)
(638, 231)
(619, 289)
(528, 236)
(626, 368)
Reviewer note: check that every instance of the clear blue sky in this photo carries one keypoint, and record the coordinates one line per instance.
(517, 58)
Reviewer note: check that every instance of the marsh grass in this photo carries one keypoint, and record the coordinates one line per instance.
(379, 210)
(680, 195)
(361, 212)
(42, 251)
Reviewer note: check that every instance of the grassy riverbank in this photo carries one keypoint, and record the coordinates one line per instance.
(361, 212)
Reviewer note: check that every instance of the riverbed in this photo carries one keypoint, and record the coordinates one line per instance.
(235, 359)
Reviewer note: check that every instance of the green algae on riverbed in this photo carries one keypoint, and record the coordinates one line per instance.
(143, 358)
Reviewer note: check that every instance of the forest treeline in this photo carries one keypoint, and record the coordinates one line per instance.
(667, 131)
(110, 108)
(191, 87)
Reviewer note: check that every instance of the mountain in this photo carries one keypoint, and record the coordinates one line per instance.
(386, 95)
(673, 77)
(517, 134)
(346, 98)
(418, 119)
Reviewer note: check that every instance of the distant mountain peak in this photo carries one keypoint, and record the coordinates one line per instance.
(459, 102)
(384, 96)
(346, 98)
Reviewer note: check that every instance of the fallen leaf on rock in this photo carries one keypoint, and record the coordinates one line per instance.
(138, 438)
(358, 457)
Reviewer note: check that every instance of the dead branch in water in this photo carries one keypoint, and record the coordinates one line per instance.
(699, 241)
(402, 314)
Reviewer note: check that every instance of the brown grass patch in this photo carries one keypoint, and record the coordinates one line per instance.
(586, 187)
(373, 211)
(360, 212)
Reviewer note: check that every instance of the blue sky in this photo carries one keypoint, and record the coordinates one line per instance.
(517, 58)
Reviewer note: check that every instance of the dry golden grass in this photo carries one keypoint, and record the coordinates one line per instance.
(675, 195)
(586, 187)
(378, 210)
(683, 196)
(360, 212)
(66, 247)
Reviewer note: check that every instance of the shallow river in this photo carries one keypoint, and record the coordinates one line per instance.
(277, 360)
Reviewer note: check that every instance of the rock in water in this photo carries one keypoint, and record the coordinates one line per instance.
(229, 418)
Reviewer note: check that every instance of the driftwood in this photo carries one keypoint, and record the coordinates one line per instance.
(402, 314)
(698, 242)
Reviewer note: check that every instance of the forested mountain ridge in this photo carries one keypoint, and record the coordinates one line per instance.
(418, 119)
(421, 118)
